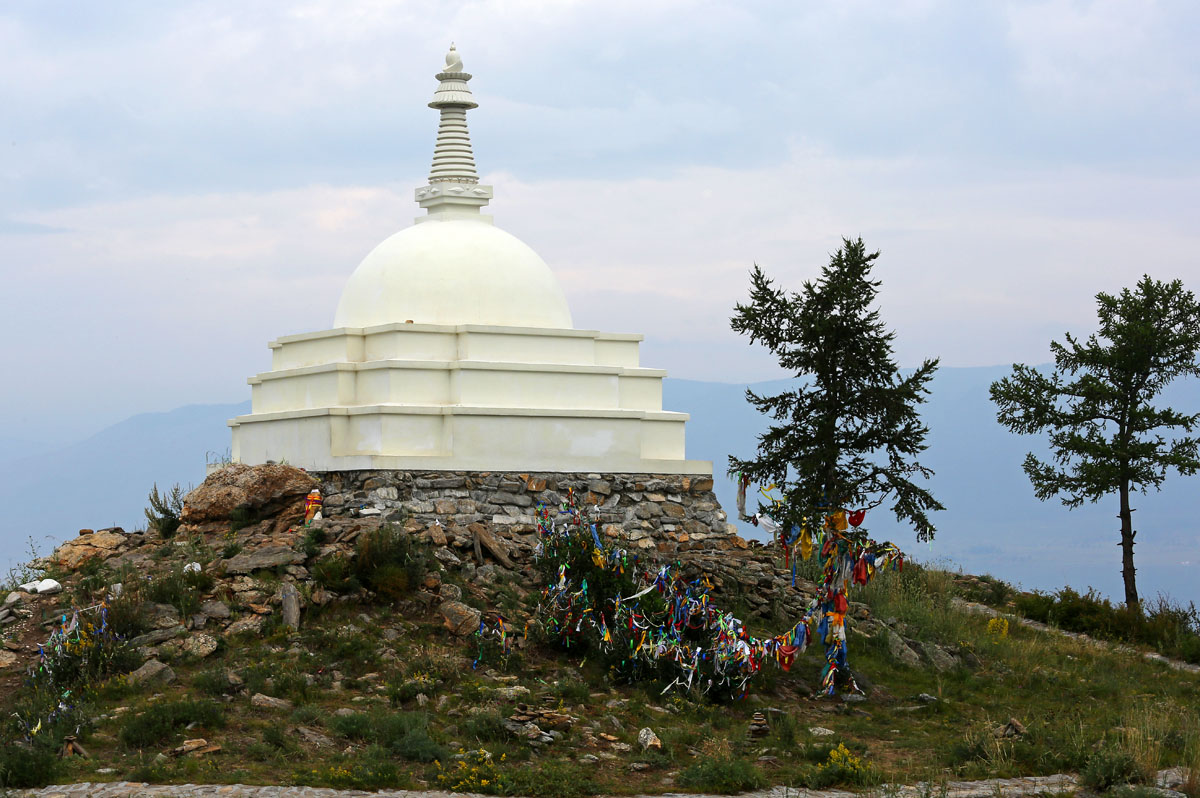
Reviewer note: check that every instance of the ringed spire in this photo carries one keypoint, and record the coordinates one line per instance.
(453, 179)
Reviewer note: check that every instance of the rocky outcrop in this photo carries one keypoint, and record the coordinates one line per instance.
(102, 545)
(255, 491)
(459, 618)
(265, 557)
(152, 671)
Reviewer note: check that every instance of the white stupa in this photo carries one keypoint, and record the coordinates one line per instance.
(453, 349)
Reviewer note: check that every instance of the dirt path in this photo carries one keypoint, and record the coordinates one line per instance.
(1168, 782)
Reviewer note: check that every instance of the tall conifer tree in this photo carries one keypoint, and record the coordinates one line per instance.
(848, 435)
(1105, 436)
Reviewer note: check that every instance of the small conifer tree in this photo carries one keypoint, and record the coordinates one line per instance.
(163, 514)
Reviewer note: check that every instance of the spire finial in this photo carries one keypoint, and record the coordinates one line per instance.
(453, 181)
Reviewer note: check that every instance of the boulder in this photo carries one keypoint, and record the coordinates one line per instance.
(647, 739)
(270, 702)
(266, 557)
(7, 659)
(251, 624)
(152, 671)
(261, 491)
(74, 553)
(215, 609)
(43, 586)
(199, 646)
(161, 616)
(313, 737)
(156, 637)
(901, 652)
(459, 618)
(941, 659)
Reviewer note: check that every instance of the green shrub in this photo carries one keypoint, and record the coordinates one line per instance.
(549, 780)
(159, 722)
(212, 682)
(402, 689)
(485, 727)
(24, 765)
(405, 734)
(1109, 766)
(1172, 630)
(314, 536)
(370, 771)
(388, 562)
(334, 573)
(277, 738)
(179, 589)
(163, 513)
(350, 651)
(784, 729)
(85, 656)
(725, 775)
(1035, 606)
(91, 576)
(306, 714)
(573, 691)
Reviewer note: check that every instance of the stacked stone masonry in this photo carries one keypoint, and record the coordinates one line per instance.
(668, 513)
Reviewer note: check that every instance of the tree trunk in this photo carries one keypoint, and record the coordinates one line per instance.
(1127, 536)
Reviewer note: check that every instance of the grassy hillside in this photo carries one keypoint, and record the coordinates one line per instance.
(374, 690)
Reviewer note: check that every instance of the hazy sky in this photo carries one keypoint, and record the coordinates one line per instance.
(182, 182)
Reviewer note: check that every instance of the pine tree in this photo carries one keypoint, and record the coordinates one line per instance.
(1105, 436)
(848, 434)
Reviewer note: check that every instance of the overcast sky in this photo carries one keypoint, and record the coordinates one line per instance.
(182, 182)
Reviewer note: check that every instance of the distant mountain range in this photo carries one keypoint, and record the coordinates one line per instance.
(992, 523)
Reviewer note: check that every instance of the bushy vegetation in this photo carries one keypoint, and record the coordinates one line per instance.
(549, 780)
(1109, 766)
(1172, 630)
(159, 723)
(724, 774)
(27, 765)
(386, 561)
(181, 589)
(163, 514)
(373, 770)
(404, 734)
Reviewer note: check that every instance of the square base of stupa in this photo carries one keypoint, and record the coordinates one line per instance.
(462, 398)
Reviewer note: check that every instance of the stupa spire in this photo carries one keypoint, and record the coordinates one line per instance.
(453, 181)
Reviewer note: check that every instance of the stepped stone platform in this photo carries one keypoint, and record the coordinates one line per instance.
(667, 513)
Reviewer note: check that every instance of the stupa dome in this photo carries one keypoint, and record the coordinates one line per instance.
(454, 266)
(460, 270)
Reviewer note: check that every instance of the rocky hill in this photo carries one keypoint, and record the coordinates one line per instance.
(233, 643)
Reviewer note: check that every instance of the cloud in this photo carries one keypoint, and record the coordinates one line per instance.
(212, 171)
(171, 299)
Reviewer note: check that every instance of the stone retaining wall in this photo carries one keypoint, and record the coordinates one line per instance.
(665, 512)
